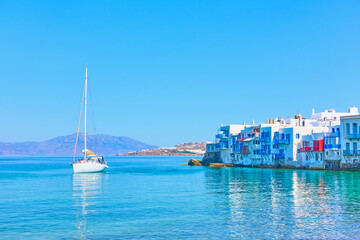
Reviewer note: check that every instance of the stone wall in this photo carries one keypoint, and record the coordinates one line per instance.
(211, 157)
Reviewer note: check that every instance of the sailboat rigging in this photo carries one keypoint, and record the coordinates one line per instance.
(91, 161)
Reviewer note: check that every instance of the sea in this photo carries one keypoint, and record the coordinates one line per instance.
(159, 198)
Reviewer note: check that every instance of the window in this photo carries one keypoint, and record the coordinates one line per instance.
(297, 136)
(348, 128)
(355, 147)
(354, 128)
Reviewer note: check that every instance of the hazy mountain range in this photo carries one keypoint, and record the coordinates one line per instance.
(101, 144)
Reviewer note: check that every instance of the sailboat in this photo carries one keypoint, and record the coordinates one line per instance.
(91, 162)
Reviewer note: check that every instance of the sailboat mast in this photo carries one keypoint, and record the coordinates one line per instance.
(85, 109)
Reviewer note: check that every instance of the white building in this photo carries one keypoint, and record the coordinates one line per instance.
(296, 142)
(350, 141)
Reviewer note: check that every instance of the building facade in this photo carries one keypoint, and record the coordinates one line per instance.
(328, 139)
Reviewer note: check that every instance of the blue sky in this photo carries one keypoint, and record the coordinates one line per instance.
(166, 72)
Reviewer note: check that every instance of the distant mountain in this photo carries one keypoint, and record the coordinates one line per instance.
(101, 144)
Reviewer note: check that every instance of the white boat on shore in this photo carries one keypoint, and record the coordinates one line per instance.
(91, 162)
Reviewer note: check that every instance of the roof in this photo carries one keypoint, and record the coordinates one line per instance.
(350, 117)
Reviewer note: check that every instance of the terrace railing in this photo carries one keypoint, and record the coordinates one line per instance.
(279, 155)
(265, 139)
(351, 152)
(265, 151)
(220, 135)
(353, 136)
(332, 146)
(284, 141)
(332, 134)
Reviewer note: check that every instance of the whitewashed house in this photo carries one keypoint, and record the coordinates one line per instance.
(350, 141)
(298, 142)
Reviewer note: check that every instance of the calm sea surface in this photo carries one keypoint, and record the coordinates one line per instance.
(158, 198)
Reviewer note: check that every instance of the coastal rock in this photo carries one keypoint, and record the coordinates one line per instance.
(221, 165)
(194, 162)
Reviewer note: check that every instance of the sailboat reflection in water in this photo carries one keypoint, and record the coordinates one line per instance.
(87, 189)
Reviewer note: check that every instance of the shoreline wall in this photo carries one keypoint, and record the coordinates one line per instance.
(211, 157)
(240, 160)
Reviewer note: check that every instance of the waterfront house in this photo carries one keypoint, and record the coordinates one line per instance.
(350, 139)
(298, 142)
(332, 147)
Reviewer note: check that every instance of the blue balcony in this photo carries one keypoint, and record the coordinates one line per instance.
(332, 134)
(282, 141)
(220, 135)
(236, 150)
(264, 151)
(353, 136)
(279, 155)
(332, 146)
(264, 139)
(223, 144)
(351, 152)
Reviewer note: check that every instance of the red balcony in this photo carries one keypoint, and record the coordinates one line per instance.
(305, 149)
(318, 145)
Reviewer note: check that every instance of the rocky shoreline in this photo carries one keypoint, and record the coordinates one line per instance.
(206, 162)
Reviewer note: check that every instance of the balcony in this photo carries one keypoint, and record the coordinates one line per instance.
(256, 146)
(264, 151)
(332, 146)
(332, 134)
(353, 136)
(351, 152)
(264, 139)
(220, 135)
(284, 141)
(305, 149)
(236, 150)
(279, 156)
(312, 149)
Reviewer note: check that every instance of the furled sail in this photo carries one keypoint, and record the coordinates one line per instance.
(89, 153)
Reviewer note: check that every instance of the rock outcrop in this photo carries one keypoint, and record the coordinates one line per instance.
(194, 162)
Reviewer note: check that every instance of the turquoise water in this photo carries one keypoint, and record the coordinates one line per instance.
(157, 198)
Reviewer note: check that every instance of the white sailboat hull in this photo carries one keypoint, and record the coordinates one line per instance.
(89, 167)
